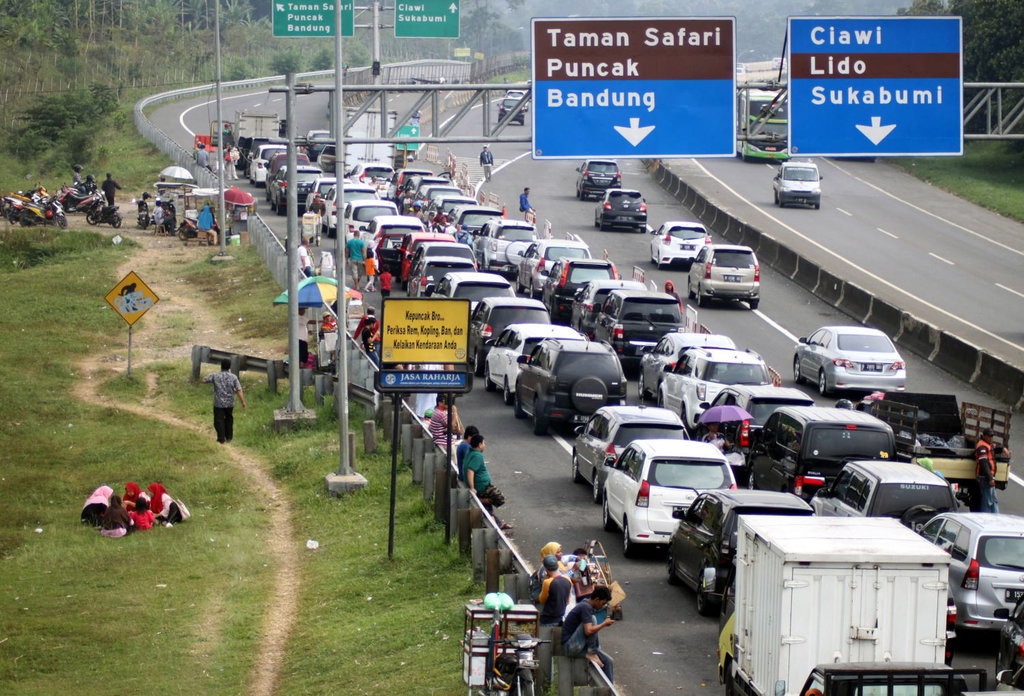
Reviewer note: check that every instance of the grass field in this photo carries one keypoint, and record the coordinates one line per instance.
(187, 603)
(990, 174)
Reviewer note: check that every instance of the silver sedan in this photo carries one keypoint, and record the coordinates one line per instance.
(849, 357)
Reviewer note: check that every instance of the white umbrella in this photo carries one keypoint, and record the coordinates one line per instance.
(176, 172)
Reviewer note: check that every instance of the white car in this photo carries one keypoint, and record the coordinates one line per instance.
(359, 213)
(502, 370)
(259, 162)
(701, 373)
(376, 174)
(322, 184)
(539, 257)
(653, 478)
(353, 192)
(849, 357)
(473, 286)
(678, 241)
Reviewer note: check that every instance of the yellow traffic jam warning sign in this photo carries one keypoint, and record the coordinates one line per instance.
(131, 298)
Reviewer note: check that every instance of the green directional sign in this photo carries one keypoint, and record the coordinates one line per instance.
(305, 19)
(427, 19)
(408, 132)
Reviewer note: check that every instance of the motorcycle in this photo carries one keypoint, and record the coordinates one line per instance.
(144, 218)
(79, 199)
(106, 214)
(46, 212)
(513, 669)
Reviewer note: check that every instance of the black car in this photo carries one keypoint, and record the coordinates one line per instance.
(702, 549)
(491, 316)
(277, 188)
(1011, 648)
(596, 177)
(621, 208)
(567, 381)
(566, 277)
(631, 321)
(510, 104)
(589, 299)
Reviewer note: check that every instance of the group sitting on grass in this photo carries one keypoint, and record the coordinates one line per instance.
(115, 516)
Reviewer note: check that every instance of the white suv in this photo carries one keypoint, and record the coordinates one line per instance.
(701, 373)
(497, 243)
(258, 163)
(538, 259)
(651, 479)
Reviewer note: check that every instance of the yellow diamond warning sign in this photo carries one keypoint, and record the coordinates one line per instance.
(131, 298)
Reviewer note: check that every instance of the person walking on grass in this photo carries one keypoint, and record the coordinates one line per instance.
(225, 387)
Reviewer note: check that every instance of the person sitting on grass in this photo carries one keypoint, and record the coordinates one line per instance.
(96, 505)
(142, 516)
(116, 523)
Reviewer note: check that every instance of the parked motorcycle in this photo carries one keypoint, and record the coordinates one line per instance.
(143, 206)
(46, 212)
(513, 670)
(107, 214)
(77, 199)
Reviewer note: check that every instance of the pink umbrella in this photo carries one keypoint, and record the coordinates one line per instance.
(236, 196)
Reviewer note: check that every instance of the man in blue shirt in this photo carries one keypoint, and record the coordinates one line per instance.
(579, 630)
(524, 202)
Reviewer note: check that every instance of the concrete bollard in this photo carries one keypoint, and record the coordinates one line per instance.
(387, 420)
(427, 475)
(352, 450)
(417, 461)
(369, 437)
(406, 442)
(198, 353)
(273, 370)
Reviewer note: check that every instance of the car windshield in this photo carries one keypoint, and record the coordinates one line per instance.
(687, 233)
(893, 499)
(368, 212)
(306, 177)
(581, 274)
(734, 259)
(378, 172)
(654, 312)
(442, 191)
(477, 220)
(445, 250)
(624, 195)
(602, 167)
(515, 234)
(762, 408)
(1001, 552)
(687, 473)
(361, 194)
(436, 269)
(510, 103)
(735, 373)
(503, 316)
(853, 442)
(572, 365)
(628, 432)
(864, 343)
(566, 252)
(478, 291)
(801, 174)
(324, 186)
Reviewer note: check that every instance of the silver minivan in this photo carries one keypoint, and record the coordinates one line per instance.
(797, 182)
(986, 570)
(726, 271)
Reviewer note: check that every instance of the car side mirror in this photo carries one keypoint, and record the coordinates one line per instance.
(704, 406)
(610, 461)
(489, 342)
(429, 290)
(523, 359)
(578, 430)
(802, 339)
(680, 513)
(820, 177)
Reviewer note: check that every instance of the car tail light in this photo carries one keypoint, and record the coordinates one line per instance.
(757, 273)
(617, 333)
(800, 481)
(951, 615)
(707, 271)
(745, 434)
(667, 239)
(586, 172)
(541, 264)
(972, 575)
(643, 207)
(615, 272)
(707, 240)
(842, 362)
(565, 275)
(643, 496)
(486, 331)
(898, 365)
(610, 449)
(670, 366)
(702, 391)
(1020, 650)
(733, 486)
(607, 206)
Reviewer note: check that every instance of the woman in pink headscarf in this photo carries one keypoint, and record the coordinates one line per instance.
(96, 505)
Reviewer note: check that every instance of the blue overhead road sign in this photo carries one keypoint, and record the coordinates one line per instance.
(634, 87)
(874, 86)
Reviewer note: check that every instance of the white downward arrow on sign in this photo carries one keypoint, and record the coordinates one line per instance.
(634, 133)
(876, 132)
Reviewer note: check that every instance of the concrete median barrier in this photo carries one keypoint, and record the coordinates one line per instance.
(767, 250)
(884, 317)
(806, 275)
(855, 301)
(920, 337)
(830, 287)
(785, 261)
(1004, 382)
(957, 357)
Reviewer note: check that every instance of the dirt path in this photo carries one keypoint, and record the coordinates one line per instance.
(160, 335)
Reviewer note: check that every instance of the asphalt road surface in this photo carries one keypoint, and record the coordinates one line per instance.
(663, 646)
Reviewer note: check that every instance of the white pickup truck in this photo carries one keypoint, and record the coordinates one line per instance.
(701, 373)
(498, 241)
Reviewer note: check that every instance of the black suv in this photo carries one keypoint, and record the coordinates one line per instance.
(634, 320)
(596, 176)
(566, 381)
(510, 104)
(706, 538)
(490, 317)
(566, 277)
(621, 208)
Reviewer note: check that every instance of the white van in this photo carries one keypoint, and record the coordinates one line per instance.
(797, 182)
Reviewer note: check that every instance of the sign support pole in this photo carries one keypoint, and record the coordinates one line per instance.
(450, 399)
(396, 399)
(341, 394)
(129, 350)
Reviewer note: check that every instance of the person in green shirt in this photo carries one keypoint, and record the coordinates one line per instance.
(477, 475)
(356, 249)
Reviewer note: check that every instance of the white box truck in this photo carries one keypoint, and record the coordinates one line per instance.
(832, 591)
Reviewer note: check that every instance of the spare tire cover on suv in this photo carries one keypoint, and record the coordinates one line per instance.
(588, 394)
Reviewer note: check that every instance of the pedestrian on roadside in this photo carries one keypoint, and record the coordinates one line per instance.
(985, 456)
(555, 594)
(225, 387)
(356, 249)
(463, 448)
(580, 630)
(202, 156)
(479, 478)
(370, 265)
(438, 425)
(524, 202)
(670, 289)
(109, 186)
(229, 163)
(370, 338)
(487, 162)
(386, 281)
(305, 258)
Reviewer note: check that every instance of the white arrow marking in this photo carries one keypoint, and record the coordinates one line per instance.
(280, 7)
(876, 132)
(634, 133)
(453, 7)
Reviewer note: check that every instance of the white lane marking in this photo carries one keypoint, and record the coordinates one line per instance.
(1016, 479)
(1015, 292)
(564, 444)
(844, 212)
(851, 264)
(888, 233)
(941, 259)
(928, 212)
(181, 116)
(775, 325)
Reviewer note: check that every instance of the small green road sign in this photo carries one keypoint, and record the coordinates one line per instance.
(408, 132)
(427, 19)
(305, 19)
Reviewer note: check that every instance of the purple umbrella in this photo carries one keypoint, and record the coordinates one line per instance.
(724, 414)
